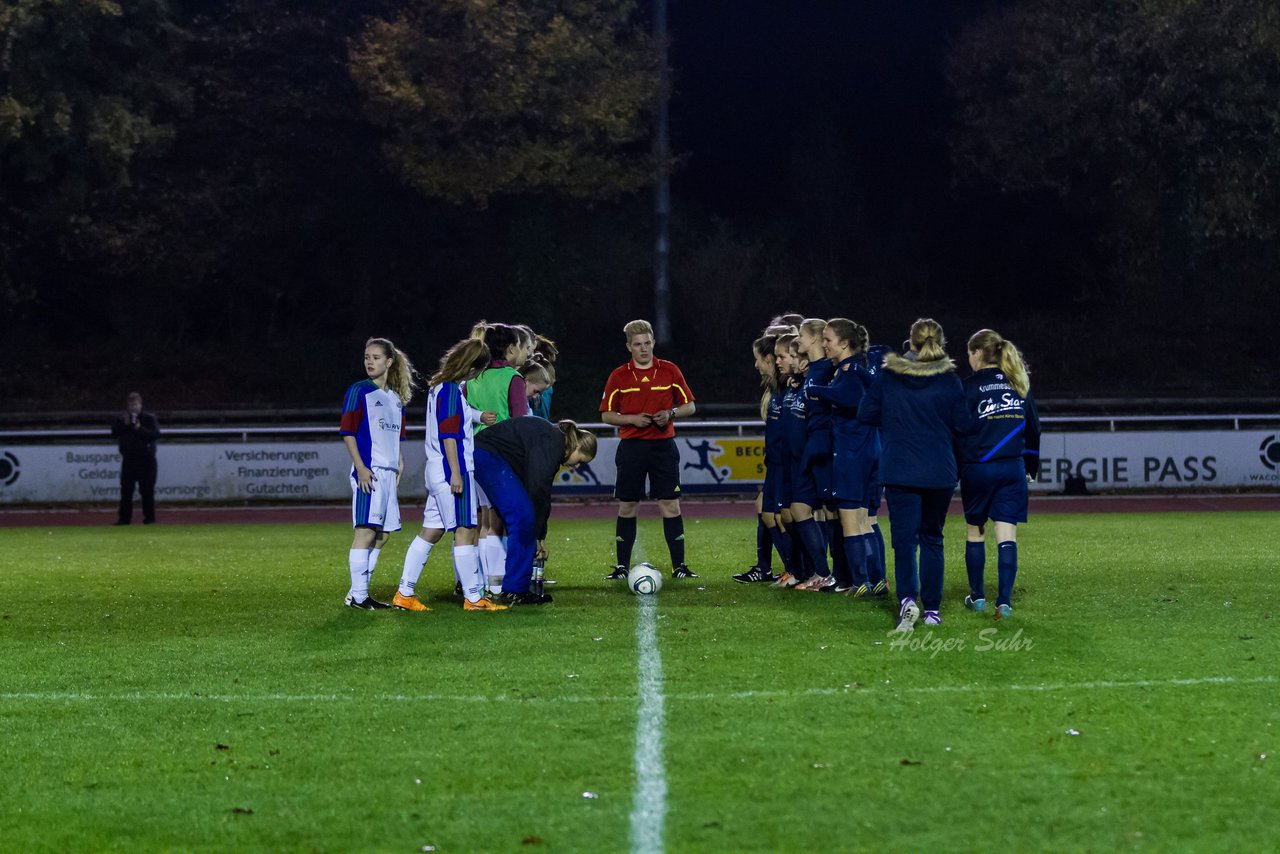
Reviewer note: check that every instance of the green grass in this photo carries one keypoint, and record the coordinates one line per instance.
(202, 688)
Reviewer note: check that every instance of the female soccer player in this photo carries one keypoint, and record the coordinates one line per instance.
(872, 361)
(855, 448)
(450, 481)
(372, 428)
(539, 377)
(919, 406)
(545, 351)
(802, 489)
(516, 463)
(768, 501)
(1001, 456)
(501, 389)
(817, 452)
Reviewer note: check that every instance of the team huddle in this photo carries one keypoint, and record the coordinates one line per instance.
(489, 470)
(848, 422)
(847, 425)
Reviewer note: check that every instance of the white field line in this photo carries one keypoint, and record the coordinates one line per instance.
(863, 690)
(649, 802)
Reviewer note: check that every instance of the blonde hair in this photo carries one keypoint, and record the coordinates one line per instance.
(928, 340)
(401, 377)
(637, 327)
(538, 369)
(577, 440)
(461, 361)
(813, 325)
(997, 351)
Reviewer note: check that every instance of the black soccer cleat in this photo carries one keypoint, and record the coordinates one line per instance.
(366, 604)
(683, 571)
(619, 571)
(527, 598)
(755, 575)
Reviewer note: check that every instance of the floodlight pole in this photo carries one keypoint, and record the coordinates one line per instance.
(662, 190)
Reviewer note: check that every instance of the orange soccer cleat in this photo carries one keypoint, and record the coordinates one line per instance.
(482, 604)
(409, 603)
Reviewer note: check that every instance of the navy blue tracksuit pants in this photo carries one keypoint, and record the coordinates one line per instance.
(916, 518)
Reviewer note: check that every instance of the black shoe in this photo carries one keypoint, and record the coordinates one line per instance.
(683, 571)
(619, 571)
(366, 604)
(148, 521)
(528, 598)
(755, 575)
(119, 522)
(457, 589)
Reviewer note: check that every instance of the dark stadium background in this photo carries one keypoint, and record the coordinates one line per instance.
(825, 164)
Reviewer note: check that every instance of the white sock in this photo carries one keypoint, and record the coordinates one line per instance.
(414, 560)
(494, 559)
(358, 559)
(467, 560)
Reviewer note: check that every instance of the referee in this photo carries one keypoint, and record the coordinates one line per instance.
(643, 398)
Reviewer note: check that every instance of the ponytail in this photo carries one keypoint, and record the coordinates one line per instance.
(928, 340)
(1015, 369)
(577, 440)
(463, 360)
(998, 352)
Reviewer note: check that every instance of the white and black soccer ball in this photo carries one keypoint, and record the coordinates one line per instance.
(644, 579)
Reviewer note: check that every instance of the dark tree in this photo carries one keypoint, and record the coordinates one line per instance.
(1159, 123)
(481, 99)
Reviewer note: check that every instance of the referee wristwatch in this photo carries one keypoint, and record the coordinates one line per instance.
(673, 413)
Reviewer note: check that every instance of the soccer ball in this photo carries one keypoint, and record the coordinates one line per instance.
(644, 579)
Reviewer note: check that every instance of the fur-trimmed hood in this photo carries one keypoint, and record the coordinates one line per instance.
(910, 368)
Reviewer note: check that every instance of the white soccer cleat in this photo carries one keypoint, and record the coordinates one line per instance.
(907, 616)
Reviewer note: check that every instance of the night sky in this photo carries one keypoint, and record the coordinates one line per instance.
(752, 78)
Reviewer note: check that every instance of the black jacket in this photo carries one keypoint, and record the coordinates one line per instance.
(136, 440)
(534, 449)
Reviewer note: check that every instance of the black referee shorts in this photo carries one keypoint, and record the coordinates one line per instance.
(655, 459)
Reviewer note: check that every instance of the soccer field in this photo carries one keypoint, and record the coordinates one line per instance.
(202, 687)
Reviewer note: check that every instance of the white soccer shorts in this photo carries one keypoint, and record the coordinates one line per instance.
(379, 507)
(447, 512)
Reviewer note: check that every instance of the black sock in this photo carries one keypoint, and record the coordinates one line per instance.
(782, 542)
(673, 530)
(809, 533)
(1007, 570)
(626, 535)
(764, 546)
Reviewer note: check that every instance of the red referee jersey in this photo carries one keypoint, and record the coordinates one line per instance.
(634, 391)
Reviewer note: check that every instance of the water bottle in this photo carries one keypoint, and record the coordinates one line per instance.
(536, 583)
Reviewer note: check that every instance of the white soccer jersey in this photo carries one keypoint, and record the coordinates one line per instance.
(448, 417)
(375, 416)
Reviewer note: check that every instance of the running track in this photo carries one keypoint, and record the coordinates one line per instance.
(693, 509)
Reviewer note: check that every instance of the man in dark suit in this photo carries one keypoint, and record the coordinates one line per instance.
(136, 431)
